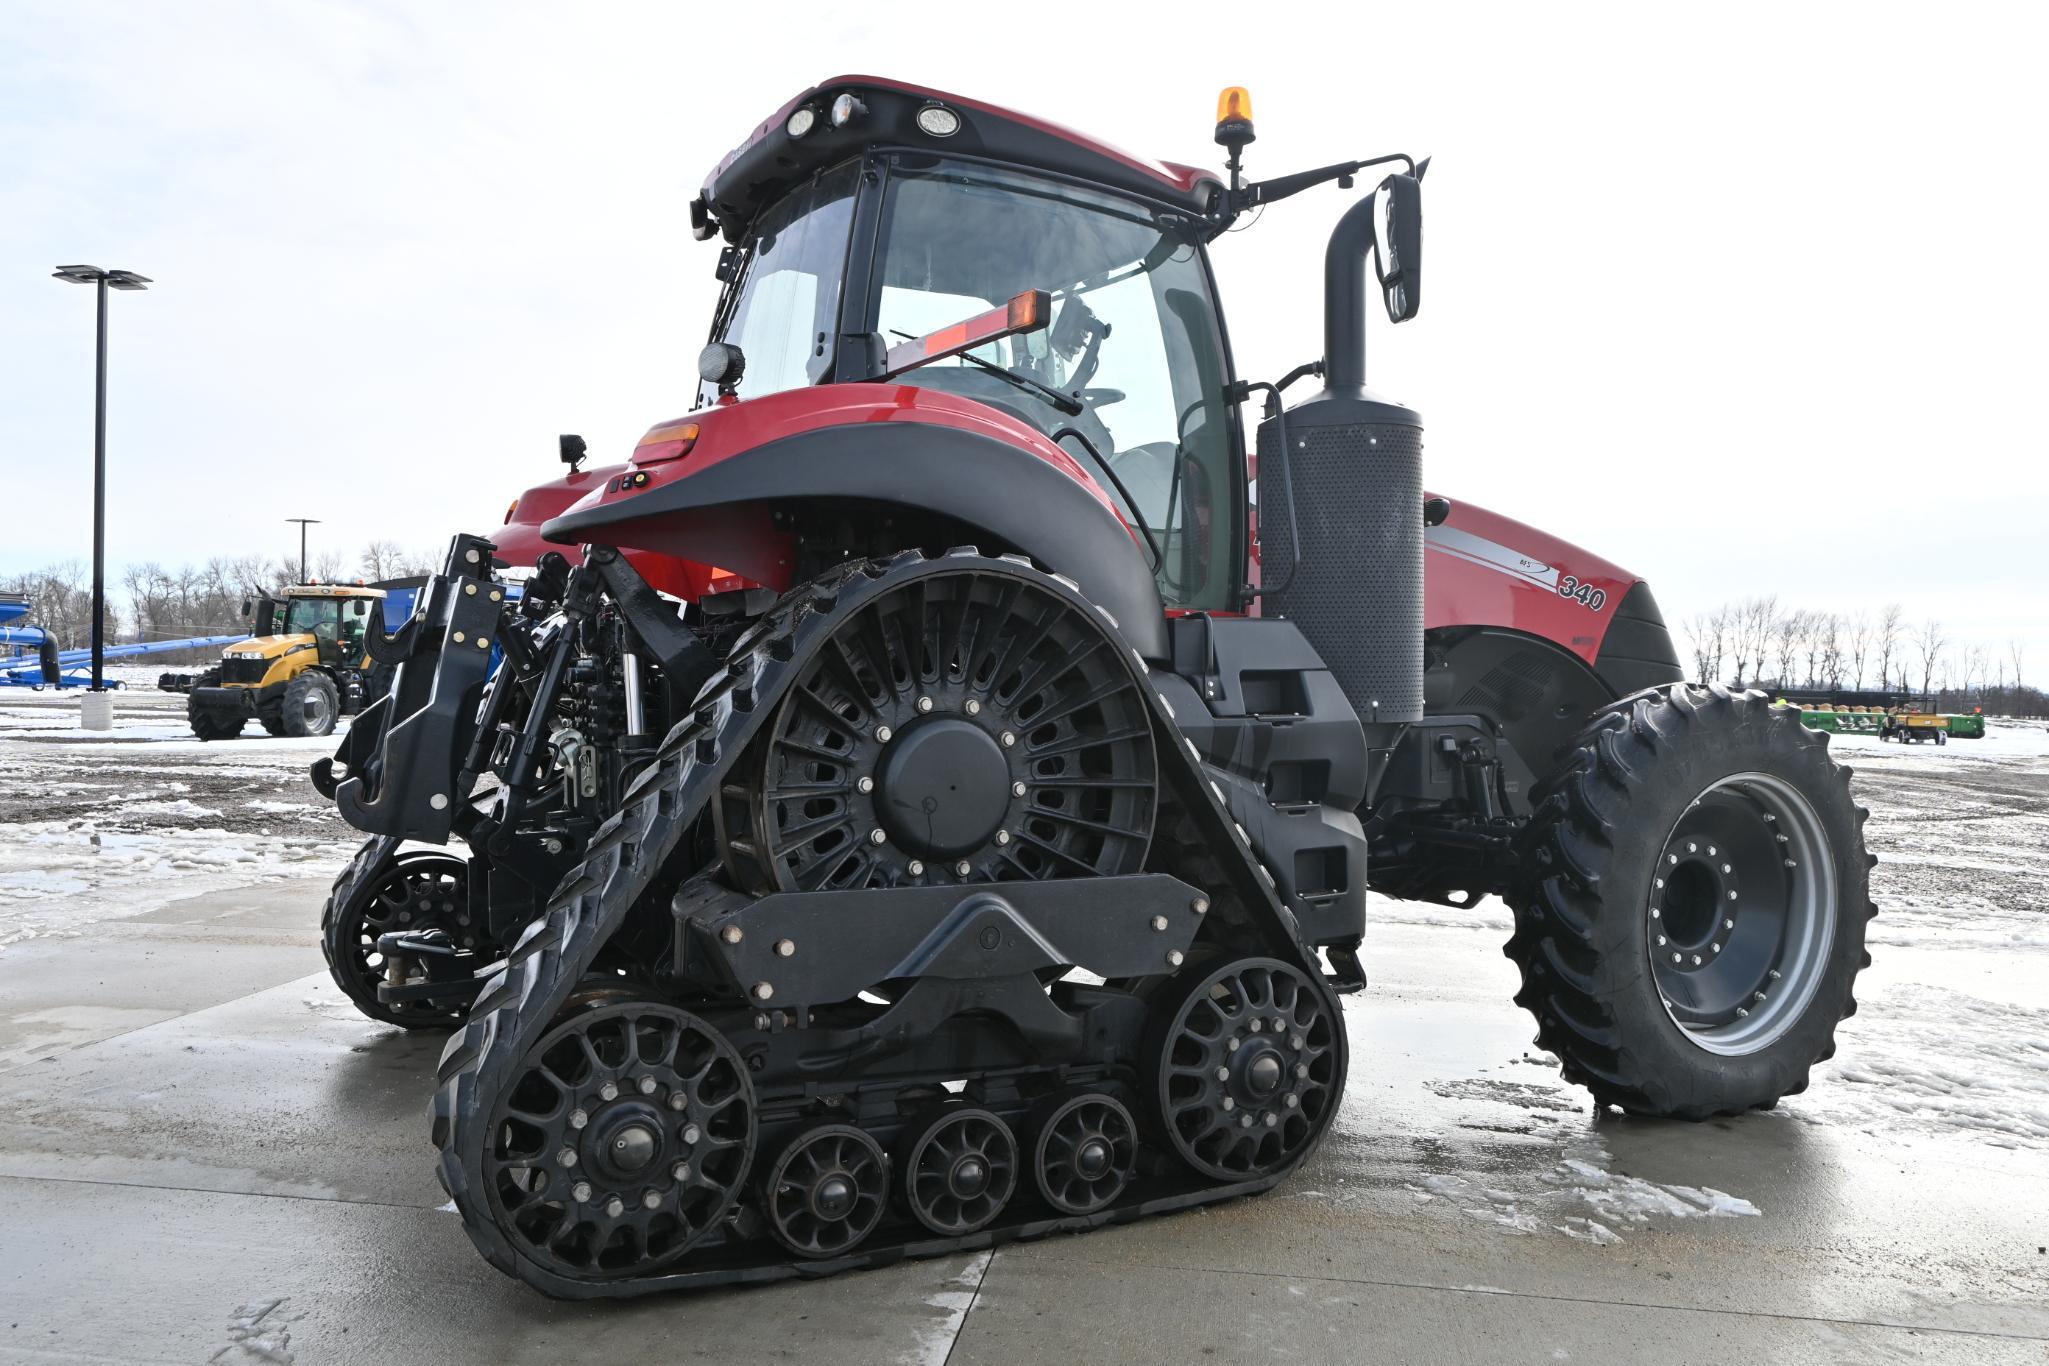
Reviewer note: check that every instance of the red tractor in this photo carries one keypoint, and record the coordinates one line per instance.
(927, 800)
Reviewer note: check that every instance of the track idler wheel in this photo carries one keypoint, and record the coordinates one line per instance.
(1248, 1069)
(625, 1139)
(420, 891)
(1084, 1150)
(960, 1168)
(827, 1192)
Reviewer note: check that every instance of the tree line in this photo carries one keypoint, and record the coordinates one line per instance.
(152, 601)
(1759, 642)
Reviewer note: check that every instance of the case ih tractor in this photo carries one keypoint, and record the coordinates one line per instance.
(304, 668)
(920, 808)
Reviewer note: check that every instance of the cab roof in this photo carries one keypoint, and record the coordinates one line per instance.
(764, 167)
(331, 590)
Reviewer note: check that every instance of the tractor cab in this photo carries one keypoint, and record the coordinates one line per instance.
(873, 262)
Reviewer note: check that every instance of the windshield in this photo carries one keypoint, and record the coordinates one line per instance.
(1133, 339)
(787, 305)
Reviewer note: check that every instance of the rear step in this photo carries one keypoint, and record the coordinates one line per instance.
(436, 952)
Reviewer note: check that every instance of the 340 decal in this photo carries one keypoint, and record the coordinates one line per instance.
(1585, 594)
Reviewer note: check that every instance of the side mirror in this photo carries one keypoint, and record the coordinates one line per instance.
(1398, 245)
(247, 607)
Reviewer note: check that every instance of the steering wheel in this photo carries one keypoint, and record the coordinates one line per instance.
(1100, 398)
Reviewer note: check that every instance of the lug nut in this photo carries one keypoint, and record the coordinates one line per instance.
(1661, 941)
(1174, 958)
(1759, 996)
(1728, 924)
(1696, 960)
(1017, 789)
(567, 1157)
(1233, 1044)
(1654, 912)
(1711, 854)
(1255, 1024)
(1291, 1100)
(1692, 848)
(1732, 896)
(762, 991)
(865, 785)
(615, 1207)
(1223, 1074)
(681, 1171)
(1727, 869)
(608, 1092)
(1230, 1104)
(1675, 957)
(924, 704)
(691, 1133)
(917, 868)
(963, 868)
(972, 708)
(1791, 864)
(647, 1086)
(1200, 905)
(1295, 1041)
(1003, 837)
(1657, 882)
(1271, 1119)
(1671, 859)
(577, 1119)
(1714, 948)
(785, 947)
(652, 1200)
(678, 1101)
(1008, 739)
(1741, 1013)
(878, 836)
(1159, 923)
(883, 733)
(582, 1192)
(1775, 974)
(1301, 1070)
(732, 934)
(1245, 1121)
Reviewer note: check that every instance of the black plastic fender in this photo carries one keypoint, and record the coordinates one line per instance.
(1009, 498)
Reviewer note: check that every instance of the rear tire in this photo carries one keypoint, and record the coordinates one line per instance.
(310, 705)
(1691, 921)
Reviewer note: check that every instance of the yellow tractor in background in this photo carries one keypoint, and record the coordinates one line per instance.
(305, 666)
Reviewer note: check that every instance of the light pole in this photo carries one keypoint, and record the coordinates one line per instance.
(104, 280)
(303, 522)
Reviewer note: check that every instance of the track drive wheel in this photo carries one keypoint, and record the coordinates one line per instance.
(960, 1167)
(1691, 921)
(625, 1139)
(1249, 1067)
(418, 891)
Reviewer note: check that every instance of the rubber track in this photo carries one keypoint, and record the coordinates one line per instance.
(483, 1057)
(1555, 913)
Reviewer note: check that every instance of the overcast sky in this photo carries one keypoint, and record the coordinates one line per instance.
(1747, 298)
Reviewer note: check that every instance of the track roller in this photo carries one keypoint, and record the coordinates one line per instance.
(960, 1167)
(827, 1192)
(1084, 1150)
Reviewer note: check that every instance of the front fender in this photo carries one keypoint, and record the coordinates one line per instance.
(1012, 498)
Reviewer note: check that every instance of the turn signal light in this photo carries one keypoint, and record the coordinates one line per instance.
(666, 442)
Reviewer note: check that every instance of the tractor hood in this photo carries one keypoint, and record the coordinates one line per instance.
(267, 647)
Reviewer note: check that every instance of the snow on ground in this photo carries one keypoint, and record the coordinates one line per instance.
(105, 825)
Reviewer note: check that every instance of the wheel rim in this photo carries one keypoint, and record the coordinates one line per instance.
(314, 710)
(625, 1140)
(1248, 1071)
(965, 727)
(1741, 914)
(961, 1171)
(1084, 1155)
(430, 893)
(827, 1191)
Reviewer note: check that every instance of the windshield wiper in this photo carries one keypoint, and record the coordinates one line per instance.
(1065, 403)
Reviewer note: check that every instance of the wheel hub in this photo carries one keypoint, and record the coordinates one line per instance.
(943, 787)
(970, 1177)
(1092, 1159)
(833, 1197)
(625, 1141)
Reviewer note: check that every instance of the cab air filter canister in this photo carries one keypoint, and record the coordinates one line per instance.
(1356, 466)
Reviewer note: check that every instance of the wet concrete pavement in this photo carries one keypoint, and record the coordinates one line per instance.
(206, 1155)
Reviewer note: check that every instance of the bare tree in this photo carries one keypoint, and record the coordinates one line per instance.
(1826, 663)
(2013, 650)
(1751, 636)
(1886, 641)
(1857, 642)
(1786, 633)
(1704, 632)
(1928, 643)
